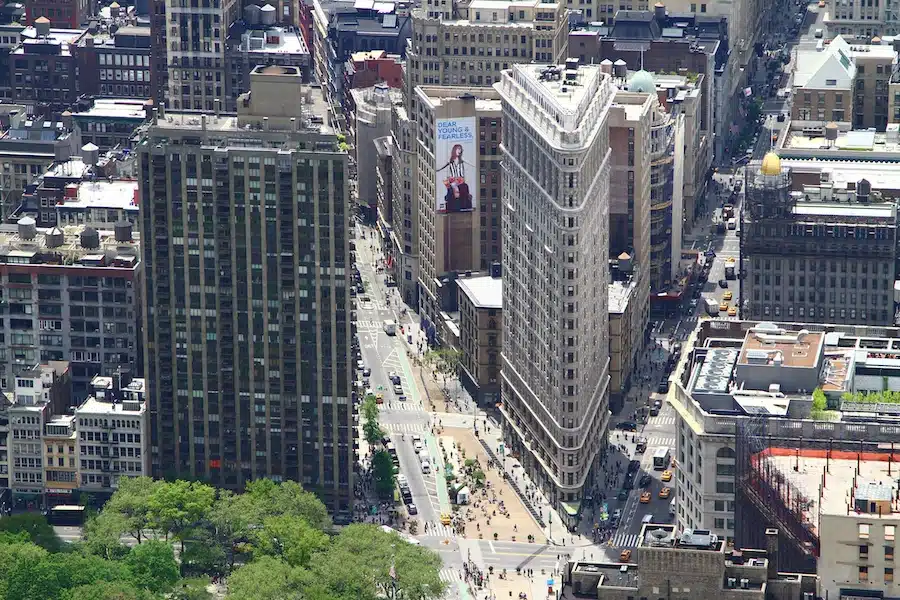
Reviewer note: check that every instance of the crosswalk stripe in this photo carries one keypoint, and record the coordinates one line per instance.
(449, 575)
(404, 427)
(662, 420)
(625, 540)
(397, 405)
(439, 530)
(661, 440)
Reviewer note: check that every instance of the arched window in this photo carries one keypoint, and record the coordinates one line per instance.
(725, 452)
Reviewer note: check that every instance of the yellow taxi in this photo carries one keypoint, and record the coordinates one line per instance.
(666, 475)
(445, 519)
(723, 306)
(665, 492)
(645, 498)
(727, 295)
(732, 312)
(625, 556)
(379, 399)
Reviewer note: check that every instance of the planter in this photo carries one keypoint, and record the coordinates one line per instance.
(495, 537)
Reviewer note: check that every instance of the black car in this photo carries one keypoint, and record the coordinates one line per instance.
(634, 466)
(627, 426)
(654, 411)
(623, 495)
(646, 480)
(723, 283)
(641, 445)
(411, 508)
(663, 387)
(628, 483)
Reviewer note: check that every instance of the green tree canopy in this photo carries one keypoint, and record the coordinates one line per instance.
(266, 578)
(132, 502)
(106, 590)
(293, 540)
(288, 498)
(36, 526)
(153, 566)
(176, 507)
(383, 473)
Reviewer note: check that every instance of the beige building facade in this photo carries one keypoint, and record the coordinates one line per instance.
(481, 335)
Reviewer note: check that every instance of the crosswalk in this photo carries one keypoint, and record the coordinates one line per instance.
(438, 530)
(661, 441)
(625, 540)
(404, 428)
(662, 420)
(408, 405)
(368, 325)
(449, 575)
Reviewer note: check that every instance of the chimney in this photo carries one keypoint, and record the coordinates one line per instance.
(772, 553)
(218, 105)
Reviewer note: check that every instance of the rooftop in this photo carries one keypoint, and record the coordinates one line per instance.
(873, 475)
(272, 40)
(779, 348)
(102, 194)
(64, 38)
(64, 249)
(824, 66)
(484, 291)
(116, 108)
(93, 406)
(620, 293)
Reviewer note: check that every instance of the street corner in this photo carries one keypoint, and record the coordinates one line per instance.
(519, 586)
(494, 512)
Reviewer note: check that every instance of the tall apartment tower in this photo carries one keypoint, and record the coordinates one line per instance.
(555, 359)
(195, 52)
(246, 323)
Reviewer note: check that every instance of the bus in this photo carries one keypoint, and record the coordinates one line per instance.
(66, 515)
(661, 459)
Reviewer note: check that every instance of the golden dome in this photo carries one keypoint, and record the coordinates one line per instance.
(771, 164)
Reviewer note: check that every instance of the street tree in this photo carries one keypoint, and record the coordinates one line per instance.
(288, 498)
(292, 540)
(383, 474)
(191, 589)
(177, 507)
(103, 535)
(266, 578)
(445, 362)
(363, 555)
(152, 566)
(36, 526)
(229, 523)
(15, 550)
(372, 431)
(132, 501)
(49, 577)
(106, 590)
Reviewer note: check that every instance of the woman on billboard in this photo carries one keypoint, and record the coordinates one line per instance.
(457, 198)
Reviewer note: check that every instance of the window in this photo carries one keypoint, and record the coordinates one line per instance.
(863, 574)
(864, 531)
(888, 574)
(863, 551)
(889, 553)
(889, 532)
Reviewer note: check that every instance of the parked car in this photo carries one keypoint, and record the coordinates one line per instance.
(627, 426)
(417, 446)
(641, 445)
(412, 509)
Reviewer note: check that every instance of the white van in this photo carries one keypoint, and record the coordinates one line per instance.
(426, 467)
(819, 33)
(390, 327)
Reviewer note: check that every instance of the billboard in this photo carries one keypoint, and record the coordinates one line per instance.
(454, 156)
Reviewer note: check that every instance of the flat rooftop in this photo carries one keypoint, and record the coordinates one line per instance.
(845, 173)
(15, 249)
(484, 292)
(57, 37)
(115, 108)
(857, 209)
(620, 293)
(103, 194)
(97, 407)
(272, 40)
(805, 472)
(793, 350)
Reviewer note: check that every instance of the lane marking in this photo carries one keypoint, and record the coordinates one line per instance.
(491, 544)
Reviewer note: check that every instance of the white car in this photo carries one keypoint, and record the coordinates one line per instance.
(360, 365)
(426, 467)
(402, 481)
(417, 446)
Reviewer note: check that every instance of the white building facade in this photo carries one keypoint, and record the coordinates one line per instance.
(555, 359)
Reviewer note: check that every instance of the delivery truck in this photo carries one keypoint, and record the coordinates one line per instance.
(712, 307)
(729, 267)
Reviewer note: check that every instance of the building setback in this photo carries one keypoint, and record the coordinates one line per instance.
(555, 359)
(246, 323)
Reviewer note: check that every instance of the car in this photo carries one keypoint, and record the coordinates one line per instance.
(665, 492)
(723, 307)
(658, 403)
(426, 467)
(367, 372)
(364, 298)
(385, 440)
(625, 556)
(398, 390)
(617, 514)
(634, 466)
(445, 519)
(622, 496)
(646, 480)
(641, 445)
(379, 398)
(663, 387)
(645, 498)
(654, 411)
(416, 438)
(395, 379)
(412, 509)
(360, 365)
(666, 475)
(732, 312)
(417, 446)
(402, 481)
(723, 283)
(727, 295)
(627, 426)
(648, 518)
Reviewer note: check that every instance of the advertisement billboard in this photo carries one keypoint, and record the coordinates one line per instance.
(454, 156)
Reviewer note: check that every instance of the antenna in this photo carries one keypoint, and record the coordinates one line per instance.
(642, 58)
